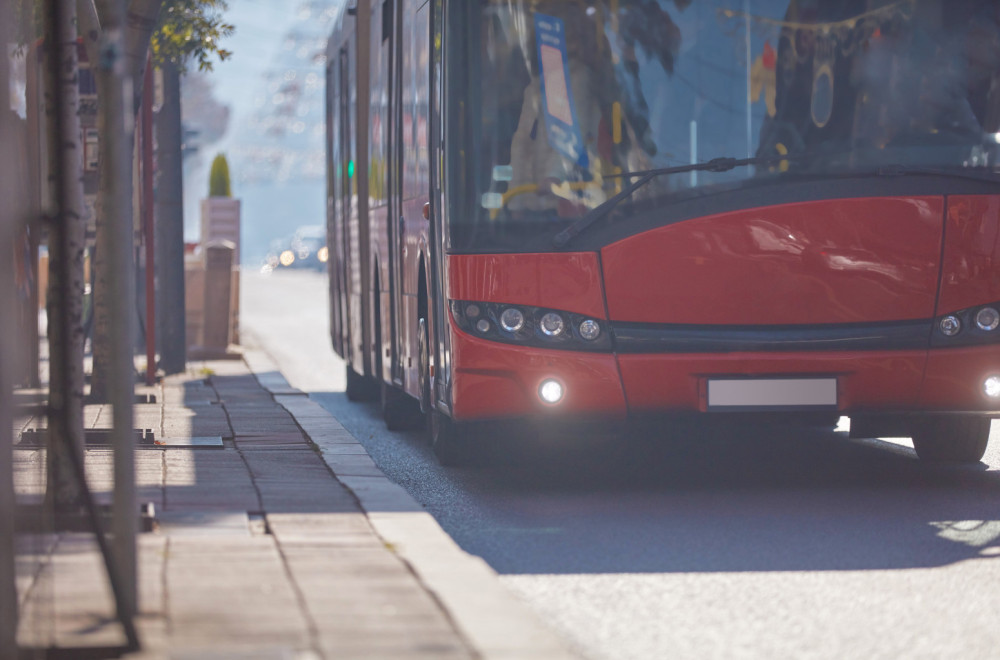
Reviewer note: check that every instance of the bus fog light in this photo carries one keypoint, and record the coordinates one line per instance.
(551, 391)
(590, 329)
(552, 324)
(950, 326)
(512, 319)
(987, 319)
(482, 325)
(991, 387)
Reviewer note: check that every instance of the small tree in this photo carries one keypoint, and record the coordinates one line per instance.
(218, 178)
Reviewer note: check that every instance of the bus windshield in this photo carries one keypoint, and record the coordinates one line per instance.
(570, 94)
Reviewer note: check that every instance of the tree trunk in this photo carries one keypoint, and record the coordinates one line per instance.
(66, 249)
(170, 227)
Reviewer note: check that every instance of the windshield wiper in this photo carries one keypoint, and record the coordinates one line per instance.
(723, 164)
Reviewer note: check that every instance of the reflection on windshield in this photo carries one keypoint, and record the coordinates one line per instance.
(575, 92)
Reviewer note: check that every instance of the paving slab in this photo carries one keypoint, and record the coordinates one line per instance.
(284, 540)
(496, 624)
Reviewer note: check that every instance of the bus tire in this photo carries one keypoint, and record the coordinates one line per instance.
(448, 440)
(360, 388)
(951, 439)
(424, 367)
(399, 410)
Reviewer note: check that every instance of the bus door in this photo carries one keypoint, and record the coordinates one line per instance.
(391, 34)
(438, 243)
(344, 173)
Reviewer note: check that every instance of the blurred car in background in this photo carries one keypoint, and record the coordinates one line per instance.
(309, 246)
(306, 248)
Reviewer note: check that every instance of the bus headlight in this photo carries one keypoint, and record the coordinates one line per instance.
(551, 391)
(987, 319)
(552, 324)
(539, 327)
(512, 319)
(590, 329)
(950, 325)
(991, 387)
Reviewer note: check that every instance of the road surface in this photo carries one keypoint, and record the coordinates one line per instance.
(720, 543)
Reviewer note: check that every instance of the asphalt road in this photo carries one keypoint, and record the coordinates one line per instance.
(772, 542)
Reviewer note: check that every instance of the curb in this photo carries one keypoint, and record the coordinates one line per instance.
(496, 624)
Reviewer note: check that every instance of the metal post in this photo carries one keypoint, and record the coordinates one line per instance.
(171, 301)
(115, 90)
(34, 200)
(8, 220)
(147, 221)
(746, 15)
(694, 152)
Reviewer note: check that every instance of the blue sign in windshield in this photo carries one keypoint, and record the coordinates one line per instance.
(561, 124)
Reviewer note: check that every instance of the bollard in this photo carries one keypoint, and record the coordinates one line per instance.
(217, 333)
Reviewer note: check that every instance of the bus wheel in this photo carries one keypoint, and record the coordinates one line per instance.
(398, 409)
(424, 367)
(448, 440)
(951, 439)
(360, 388)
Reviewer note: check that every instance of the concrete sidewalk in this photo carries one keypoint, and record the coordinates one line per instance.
(274, 536)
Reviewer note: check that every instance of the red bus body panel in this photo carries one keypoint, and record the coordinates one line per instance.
(971, 269)
(954, 377)
(566, 281)
(837, 261)
(500, 380)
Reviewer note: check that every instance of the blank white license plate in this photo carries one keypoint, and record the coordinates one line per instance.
(775, 393)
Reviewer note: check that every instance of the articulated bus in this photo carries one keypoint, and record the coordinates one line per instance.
(588, 211)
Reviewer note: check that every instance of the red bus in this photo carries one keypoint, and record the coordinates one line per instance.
(597, 210)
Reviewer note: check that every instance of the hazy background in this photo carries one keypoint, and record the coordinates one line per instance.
(263, 108)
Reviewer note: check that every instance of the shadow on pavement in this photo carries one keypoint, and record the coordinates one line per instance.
(705, 498)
